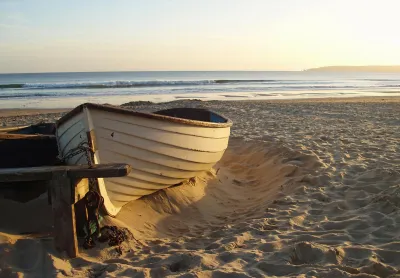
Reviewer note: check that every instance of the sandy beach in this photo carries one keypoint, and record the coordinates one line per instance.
(307, 188)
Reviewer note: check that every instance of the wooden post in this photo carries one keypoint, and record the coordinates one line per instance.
(81, 187)
(68, 186)
(62, 198)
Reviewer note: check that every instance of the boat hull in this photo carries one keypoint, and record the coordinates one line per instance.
(161, 150)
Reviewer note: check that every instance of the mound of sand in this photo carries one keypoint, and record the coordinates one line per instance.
(250, 176)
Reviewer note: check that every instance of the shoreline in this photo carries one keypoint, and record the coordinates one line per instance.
(70, 102)
(25, 112)
(10, 112)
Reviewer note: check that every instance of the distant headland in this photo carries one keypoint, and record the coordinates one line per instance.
(356, 69)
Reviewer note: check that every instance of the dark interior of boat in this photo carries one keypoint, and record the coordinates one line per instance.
(27, 151)
(31, 146)
(44, 129)
(196, 114)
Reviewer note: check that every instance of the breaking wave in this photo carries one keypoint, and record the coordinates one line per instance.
(126, 84)
(288, 84)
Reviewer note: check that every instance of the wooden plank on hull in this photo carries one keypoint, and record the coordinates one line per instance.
(106, 141)
(73, 171)
(190, 142)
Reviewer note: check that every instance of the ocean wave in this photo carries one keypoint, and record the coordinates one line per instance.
(127, 84)
(11, 86)
(290, 84)
(35, 95)
(227, 81)
(378, 79)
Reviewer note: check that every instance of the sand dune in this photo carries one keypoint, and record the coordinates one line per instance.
(305, 189)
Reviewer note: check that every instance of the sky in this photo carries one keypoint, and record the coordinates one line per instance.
(123, 35)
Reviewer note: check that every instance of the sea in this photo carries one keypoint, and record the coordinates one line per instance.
(69, 89)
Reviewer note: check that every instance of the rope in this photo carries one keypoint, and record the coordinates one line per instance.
(83, 147)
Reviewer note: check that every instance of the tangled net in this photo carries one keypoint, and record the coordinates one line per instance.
(114, 235)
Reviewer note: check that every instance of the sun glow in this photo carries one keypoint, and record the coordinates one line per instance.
(206, 35)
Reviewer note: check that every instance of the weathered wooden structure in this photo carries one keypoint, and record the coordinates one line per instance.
(68, 186)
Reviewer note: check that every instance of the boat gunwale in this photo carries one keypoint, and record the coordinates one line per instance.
(12, 128)
(12, 136)
(121, 110)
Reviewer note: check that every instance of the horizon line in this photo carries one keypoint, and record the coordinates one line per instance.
(41, 72)
(271, 70)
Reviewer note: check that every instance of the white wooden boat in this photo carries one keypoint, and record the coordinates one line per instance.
(164, 148)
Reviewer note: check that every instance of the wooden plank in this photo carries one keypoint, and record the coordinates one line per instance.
(73, 171)
(11, 136)
(92, 139)
(62, 192)
(81, 188)
(24, 174)
(14, 128)
(100, 171)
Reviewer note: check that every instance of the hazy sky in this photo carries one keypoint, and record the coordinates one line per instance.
(45, 36)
